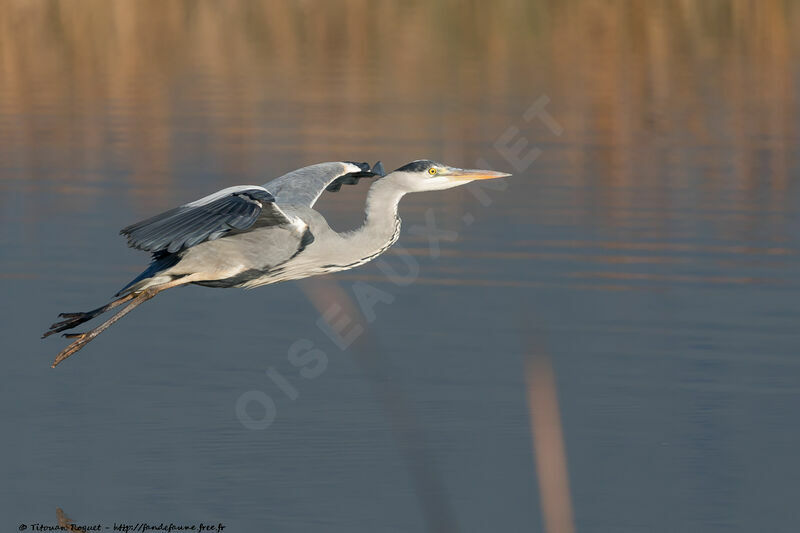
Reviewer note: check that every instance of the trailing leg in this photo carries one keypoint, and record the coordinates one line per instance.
(82, 339)
(76, 319)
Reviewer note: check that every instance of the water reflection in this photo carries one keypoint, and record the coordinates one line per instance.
(66, 522)
(650, 90)
(548, 445)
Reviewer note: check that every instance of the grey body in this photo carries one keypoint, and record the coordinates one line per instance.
(290, 240)
(250, 235)
(272, 254)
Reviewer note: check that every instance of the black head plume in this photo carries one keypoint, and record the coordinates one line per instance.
(418, 166)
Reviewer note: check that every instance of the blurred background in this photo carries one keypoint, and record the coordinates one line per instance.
(610, 345)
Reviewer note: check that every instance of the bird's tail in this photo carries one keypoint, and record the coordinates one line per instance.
(161, 262)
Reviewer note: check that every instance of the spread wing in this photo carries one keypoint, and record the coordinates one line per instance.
(206, 219)
(305, 185)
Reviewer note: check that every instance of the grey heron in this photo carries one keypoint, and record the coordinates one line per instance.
(249, 235)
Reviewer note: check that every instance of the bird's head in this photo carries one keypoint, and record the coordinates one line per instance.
(426, 175)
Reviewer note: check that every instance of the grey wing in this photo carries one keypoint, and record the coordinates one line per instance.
(235, 208)
(305, 185)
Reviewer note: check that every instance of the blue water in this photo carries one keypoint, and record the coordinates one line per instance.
(647, 246)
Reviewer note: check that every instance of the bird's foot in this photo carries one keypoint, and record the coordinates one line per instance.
(72, 320)
(82, 339)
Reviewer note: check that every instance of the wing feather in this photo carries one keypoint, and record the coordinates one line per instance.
(305, 185)
(235, 208)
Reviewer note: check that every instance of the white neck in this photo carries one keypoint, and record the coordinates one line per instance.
(381, 226)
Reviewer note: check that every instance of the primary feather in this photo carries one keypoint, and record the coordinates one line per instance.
(235, 208)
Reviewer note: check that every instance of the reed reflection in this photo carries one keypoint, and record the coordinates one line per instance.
(117, 82)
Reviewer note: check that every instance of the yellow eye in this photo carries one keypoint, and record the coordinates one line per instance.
(432, 171)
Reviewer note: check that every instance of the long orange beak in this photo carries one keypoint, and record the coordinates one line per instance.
(470, 174)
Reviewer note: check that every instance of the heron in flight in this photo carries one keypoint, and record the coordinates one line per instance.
(249, 235)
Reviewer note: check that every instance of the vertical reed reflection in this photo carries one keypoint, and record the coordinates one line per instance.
(429, 488)
(548, 446)
(65, 522)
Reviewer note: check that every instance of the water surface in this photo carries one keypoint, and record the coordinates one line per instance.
(648, 247)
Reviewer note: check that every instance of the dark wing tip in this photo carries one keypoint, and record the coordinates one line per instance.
(351, 178)
(378, 169)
